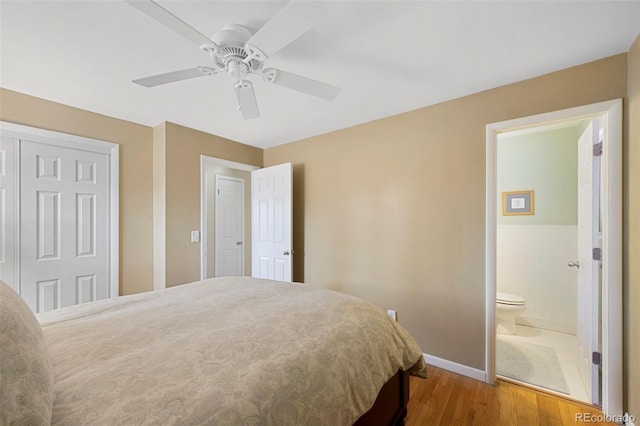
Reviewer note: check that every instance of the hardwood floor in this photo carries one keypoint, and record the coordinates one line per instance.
(447, 398)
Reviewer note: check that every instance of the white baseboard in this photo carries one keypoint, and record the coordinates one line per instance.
(546, 324)
(629, 420)
(454, 367)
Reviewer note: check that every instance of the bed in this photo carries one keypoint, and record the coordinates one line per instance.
(225, 351)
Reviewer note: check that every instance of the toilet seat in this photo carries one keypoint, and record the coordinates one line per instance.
(509, 299)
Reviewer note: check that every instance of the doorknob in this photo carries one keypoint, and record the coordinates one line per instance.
(572, 264)
(238, 243)
(286, 253)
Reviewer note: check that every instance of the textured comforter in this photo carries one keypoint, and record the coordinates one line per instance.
(226, 351)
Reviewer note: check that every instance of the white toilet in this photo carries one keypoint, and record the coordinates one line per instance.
(508, 308)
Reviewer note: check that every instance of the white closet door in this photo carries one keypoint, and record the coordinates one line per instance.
(229, 227)
(64, 226)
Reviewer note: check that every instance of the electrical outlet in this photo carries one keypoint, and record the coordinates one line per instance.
(393, 314)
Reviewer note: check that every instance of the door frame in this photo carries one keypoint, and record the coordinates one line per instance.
(611, 168)
(65, 140)
(218, 212)
(204, 160)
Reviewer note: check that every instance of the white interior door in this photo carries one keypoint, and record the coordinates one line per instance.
(589, 238)
(229, 226)
(7, 211)
(271, 211)
(64, 226)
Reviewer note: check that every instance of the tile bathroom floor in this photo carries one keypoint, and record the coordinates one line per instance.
(566, 346)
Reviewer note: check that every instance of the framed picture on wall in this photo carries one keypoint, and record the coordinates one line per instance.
(517, 203)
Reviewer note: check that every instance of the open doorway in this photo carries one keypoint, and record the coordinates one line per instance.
(213, 249)
(607, 352)
(540, 328)
(267, 243)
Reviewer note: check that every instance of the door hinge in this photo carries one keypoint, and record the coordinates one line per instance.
(597, 149)
(596, 253)
(596, 358)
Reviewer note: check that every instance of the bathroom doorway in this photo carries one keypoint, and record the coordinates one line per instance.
(537, 341)
(532, 249)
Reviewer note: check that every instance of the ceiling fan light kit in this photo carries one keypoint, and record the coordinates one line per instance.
(236, 50)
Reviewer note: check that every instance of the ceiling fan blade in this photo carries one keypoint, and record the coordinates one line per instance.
(168, 19)
(295, 19)
(170, 77)
(247, 99)
(301, 84)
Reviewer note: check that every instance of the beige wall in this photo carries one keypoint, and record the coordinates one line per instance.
(632, 233)
(135, 173)
(393, 210)
(182, 179)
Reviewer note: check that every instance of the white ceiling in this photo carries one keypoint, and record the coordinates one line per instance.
(388, 56)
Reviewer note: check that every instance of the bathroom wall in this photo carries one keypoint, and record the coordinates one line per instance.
(533, 250)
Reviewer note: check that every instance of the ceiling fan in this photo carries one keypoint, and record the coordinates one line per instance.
(237, 51)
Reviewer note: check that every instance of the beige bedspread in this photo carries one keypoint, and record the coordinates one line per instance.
(227, 351)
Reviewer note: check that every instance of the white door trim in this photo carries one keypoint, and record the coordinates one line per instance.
(64, 140)
(204, 160)
(611, 245)
(15, 163)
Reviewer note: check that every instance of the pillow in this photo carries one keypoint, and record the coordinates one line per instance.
(26, 373)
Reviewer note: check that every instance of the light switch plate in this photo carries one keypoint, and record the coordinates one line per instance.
(195, 236)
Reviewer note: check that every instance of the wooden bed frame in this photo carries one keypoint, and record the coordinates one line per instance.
(390, 407)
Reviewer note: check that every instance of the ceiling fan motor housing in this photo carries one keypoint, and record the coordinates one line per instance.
(231, 53)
